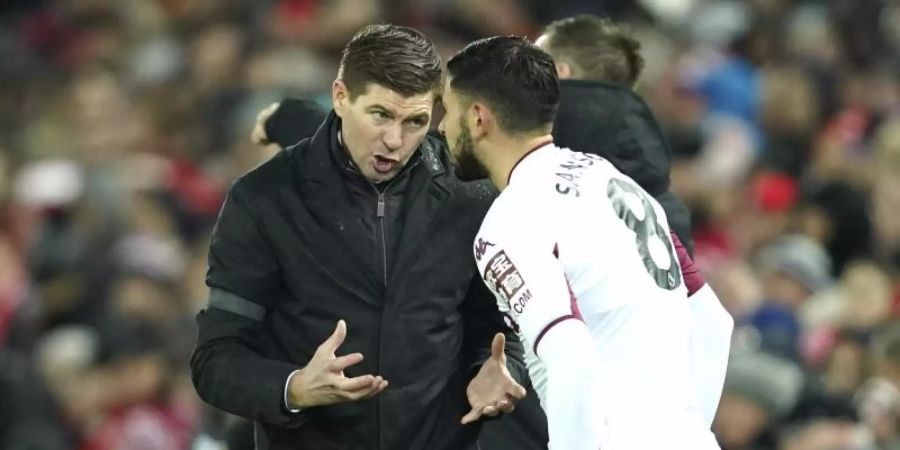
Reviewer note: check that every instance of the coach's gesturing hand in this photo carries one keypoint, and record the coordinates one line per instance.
(322, 381)
(493, 390)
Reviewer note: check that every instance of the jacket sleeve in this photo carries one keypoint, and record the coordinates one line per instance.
(483, 320)
(294, 120)
(228, 368)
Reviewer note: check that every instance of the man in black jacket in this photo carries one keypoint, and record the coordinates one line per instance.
(363, 225)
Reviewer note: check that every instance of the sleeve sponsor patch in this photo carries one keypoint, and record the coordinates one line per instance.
(502, 277)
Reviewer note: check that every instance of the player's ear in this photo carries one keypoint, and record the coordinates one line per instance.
(481, 119)
(340, 97)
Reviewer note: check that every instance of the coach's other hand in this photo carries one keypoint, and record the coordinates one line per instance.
(493, 390)
(322, 381)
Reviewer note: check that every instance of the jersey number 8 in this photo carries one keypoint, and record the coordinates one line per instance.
(647, 231)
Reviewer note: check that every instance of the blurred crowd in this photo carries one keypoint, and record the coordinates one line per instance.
(122, 123)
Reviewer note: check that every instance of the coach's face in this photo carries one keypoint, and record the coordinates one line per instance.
(381, 128)
(455, 128)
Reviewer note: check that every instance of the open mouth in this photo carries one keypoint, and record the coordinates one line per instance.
(385, 165)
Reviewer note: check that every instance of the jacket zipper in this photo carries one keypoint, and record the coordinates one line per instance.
(380, 216)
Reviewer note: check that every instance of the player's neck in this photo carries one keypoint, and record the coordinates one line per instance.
(507, 155)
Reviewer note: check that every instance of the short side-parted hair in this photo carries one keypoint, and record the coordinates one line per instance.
(596, 49)
(399, 58)
(513, 76)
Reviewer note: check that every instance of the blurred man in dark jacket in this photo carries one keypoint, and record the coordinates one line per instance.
(599, 65)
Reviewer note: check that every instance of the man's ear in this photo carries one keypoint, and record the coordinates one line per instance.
(564, 71)
(340, 97)
(481, 120)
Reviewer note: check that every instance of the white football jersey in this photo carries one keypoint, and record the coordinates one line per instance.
(584, 270)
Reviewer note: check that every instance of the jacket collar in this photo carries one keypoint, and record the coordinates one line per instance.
(326, 158)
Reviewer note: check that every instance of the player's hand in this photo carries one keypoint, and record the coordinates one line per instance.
(258, 136)
(493, 390)
(322, 381)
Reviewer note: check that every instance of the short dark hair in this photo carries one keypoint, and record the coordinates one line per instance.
(399, 58)
(596, 49)
(515, 77)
